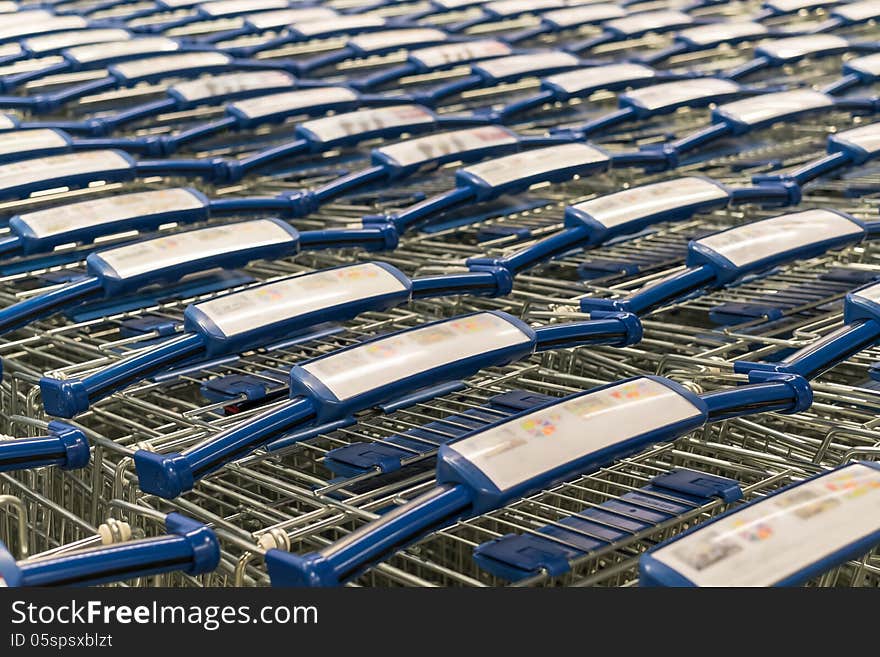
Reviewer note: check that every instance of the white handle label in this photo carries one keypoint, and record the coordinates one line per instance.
(384, 361)
(767, 107)
(230, 84)
(599, 77)
(8, 7)
(534, 444)
(648, 21)
(293, 101)
(25, 141)
(791, 6)
(866, 137)
(508, 169)
(647, 200)
(170, 64)
(767, 541)
(27, 26)
(801, 46)
(77, 38)
(869, 65)
(104, 211)
(11, 50)
(425, 149)
(6, 122)
(317, 28)
(750, 243)
(172, 250)
(373, 41)
(513, 7)
(61, 166)
(670, 94)
(33, 64)
(230, 7)
(100, 51)
(515, 65)
(365, 121)
(29, 16)
(277, 19)
(455, 4)
(285, 300)
(454, 53)
(858, 11)
(871, 293)
(717, 33)
(574, 16)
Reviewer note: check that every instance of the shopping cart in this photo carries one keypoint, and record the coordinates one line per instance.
(44, 544)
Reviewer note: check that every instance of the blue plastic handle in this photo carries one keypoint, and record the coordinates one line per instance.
(64, 446)
(149, 211)
(507, 175)
(203, 338)
(103, 278)
(708, 267)
(861, 330)
(190, 547)
(465, 490)
(311, 401)
(655, 570)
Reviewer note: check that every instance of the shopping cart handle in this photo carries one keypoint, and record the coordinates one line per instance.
(506, 460)
(849, 147)
(406, 158)
(436, 58)
(125, 269)
(206, 12)
(340, 384)
(609, 216)
(189, 94)
(860, 71)
(236, 322)
(252, 113)
(94, 56)
(713, 35)
(168, 258)
(762, 111)
(271, 21)
(85, 221)
(306, 30)
(190, 547)
(779, 52)
(65, 446)
(724, 257)
(469, 144)
(659, 99)
(633, 26)
(582, 83)
(371, 44)
(435, 508)
(515, 173)
(756, 113)
(619, 329)
(21, 179)
(861, 330)
(828, 518)
(567, 18)
(855, 13)
(503, 69)
(505, 175)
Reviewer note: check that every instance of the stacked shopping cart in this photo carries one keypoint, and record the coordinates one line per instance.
(439, 292)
